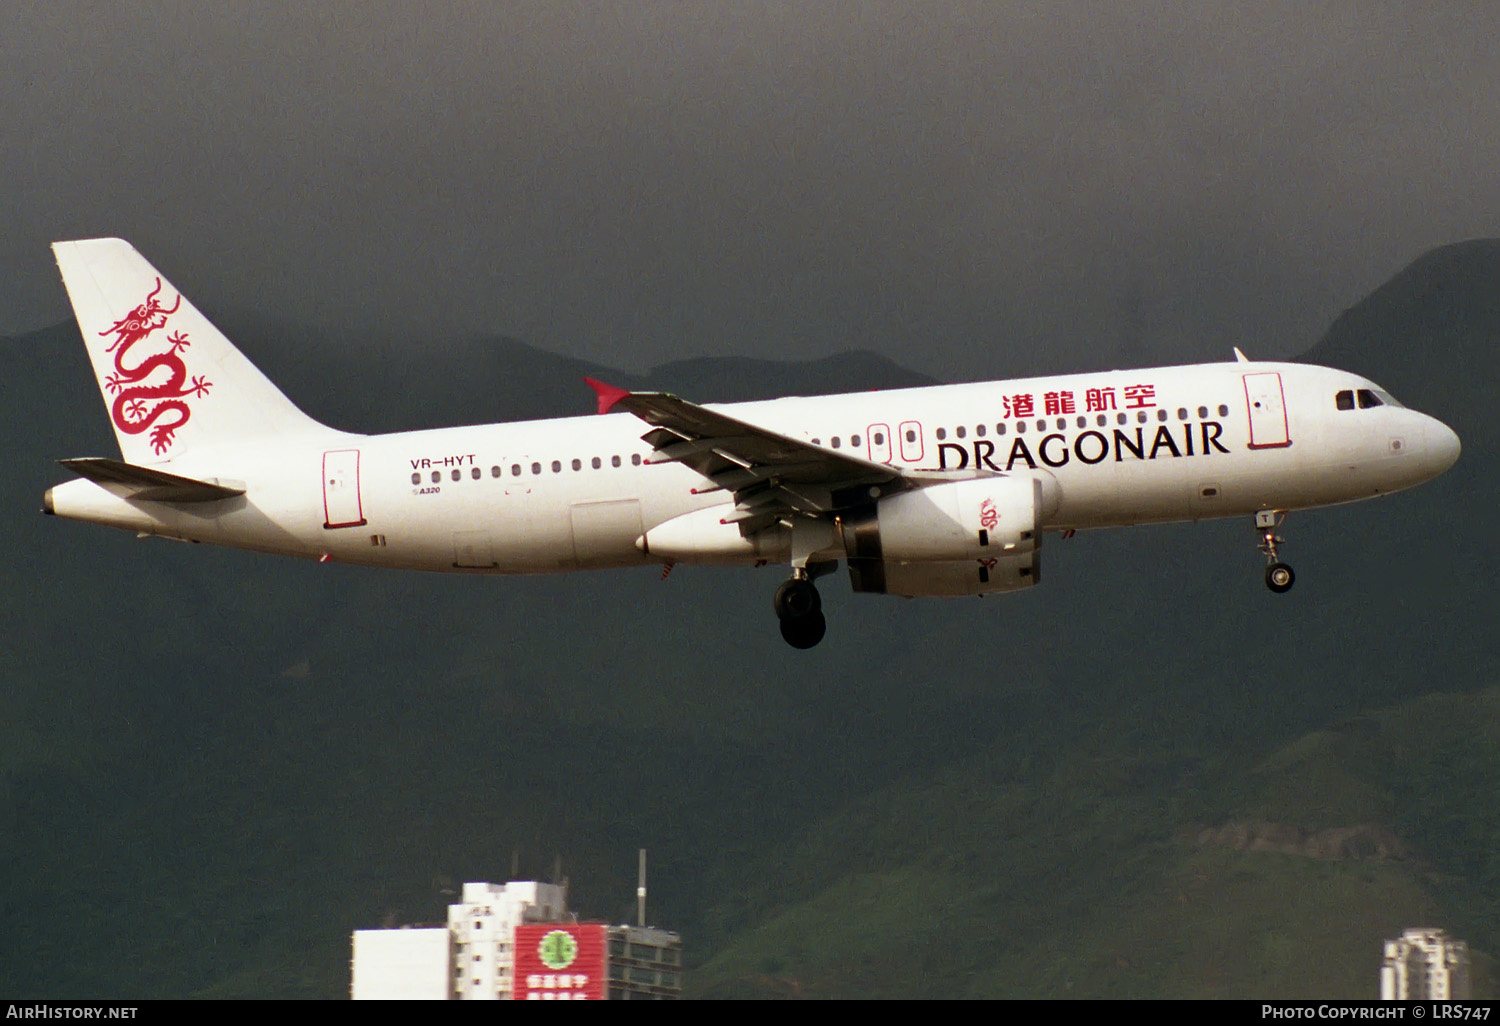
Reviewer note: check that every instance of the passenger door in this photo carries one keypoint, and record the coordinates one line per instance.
(1267, 406)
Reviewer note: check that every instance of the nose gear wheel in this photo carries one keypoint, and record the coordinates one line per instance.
(1279, 576)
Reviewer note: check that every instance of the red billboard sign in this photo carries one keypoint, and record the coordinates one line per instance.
(561, 961)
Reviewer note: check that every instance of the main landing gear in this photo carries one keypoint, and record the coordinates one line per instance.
(799, 607)
(1279, 576)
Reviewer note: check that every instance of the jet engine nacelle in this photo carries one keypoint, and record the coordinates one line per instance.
(959, 538)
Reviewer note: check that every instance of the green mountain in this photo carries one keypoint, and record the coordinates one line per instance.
(1148, 777)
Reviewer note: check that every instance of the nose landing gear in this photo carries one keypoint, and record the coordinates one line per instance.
(799, 607)
(1279, 576)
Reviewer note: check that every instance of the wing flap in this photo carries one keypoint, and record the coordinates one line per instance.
(147, 484)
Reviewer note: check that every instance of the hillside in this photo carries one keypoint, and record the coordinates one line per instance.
(1023, 875)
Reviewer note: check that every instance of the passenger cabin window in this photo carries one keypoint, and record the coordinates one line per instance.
(1345, 399)
(1368, 399)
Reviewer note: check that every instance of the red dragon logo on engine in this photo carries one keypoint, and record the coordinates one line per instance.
(989, 517)
(138, 405)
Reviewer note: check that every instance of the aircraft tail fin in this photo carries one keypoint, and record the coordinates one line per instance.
(170, 380)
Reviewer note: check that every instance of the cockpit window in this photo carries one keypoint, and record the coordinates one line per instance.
(1387, 398)
(1345, 399)
(1368, 399)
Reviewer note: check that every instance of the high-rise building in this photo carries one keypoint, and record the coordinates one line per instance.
(644, 963)
(1425, 963)
(519, 941)
(397, 965)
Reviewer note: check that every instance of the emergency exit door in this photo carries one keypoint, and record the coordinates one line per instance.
(341, 504)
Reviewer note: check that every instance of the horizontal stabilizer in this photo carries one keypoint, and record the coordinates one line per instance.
(149, 485)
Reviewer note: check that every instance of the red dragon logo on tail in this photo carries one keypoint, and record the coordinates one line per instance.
(139, 406)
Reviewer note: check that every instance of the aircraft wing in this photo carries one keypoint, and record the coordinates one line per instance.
(768, 474)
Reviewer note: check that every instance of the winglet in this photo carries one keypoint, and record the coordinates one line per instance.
(608, 394)
(1239, 356)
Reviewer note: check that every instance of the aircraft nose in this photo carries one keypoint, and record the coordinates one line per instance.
(1443, 446)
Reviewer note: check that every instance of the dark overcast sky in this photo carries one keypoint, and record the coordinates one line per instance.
(968, 189)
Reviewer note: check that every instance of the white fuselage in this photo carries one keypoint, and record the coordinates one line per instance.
(1119, 447)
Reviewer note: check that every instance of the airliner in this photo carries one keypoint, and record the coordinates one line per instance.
(937, 491)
